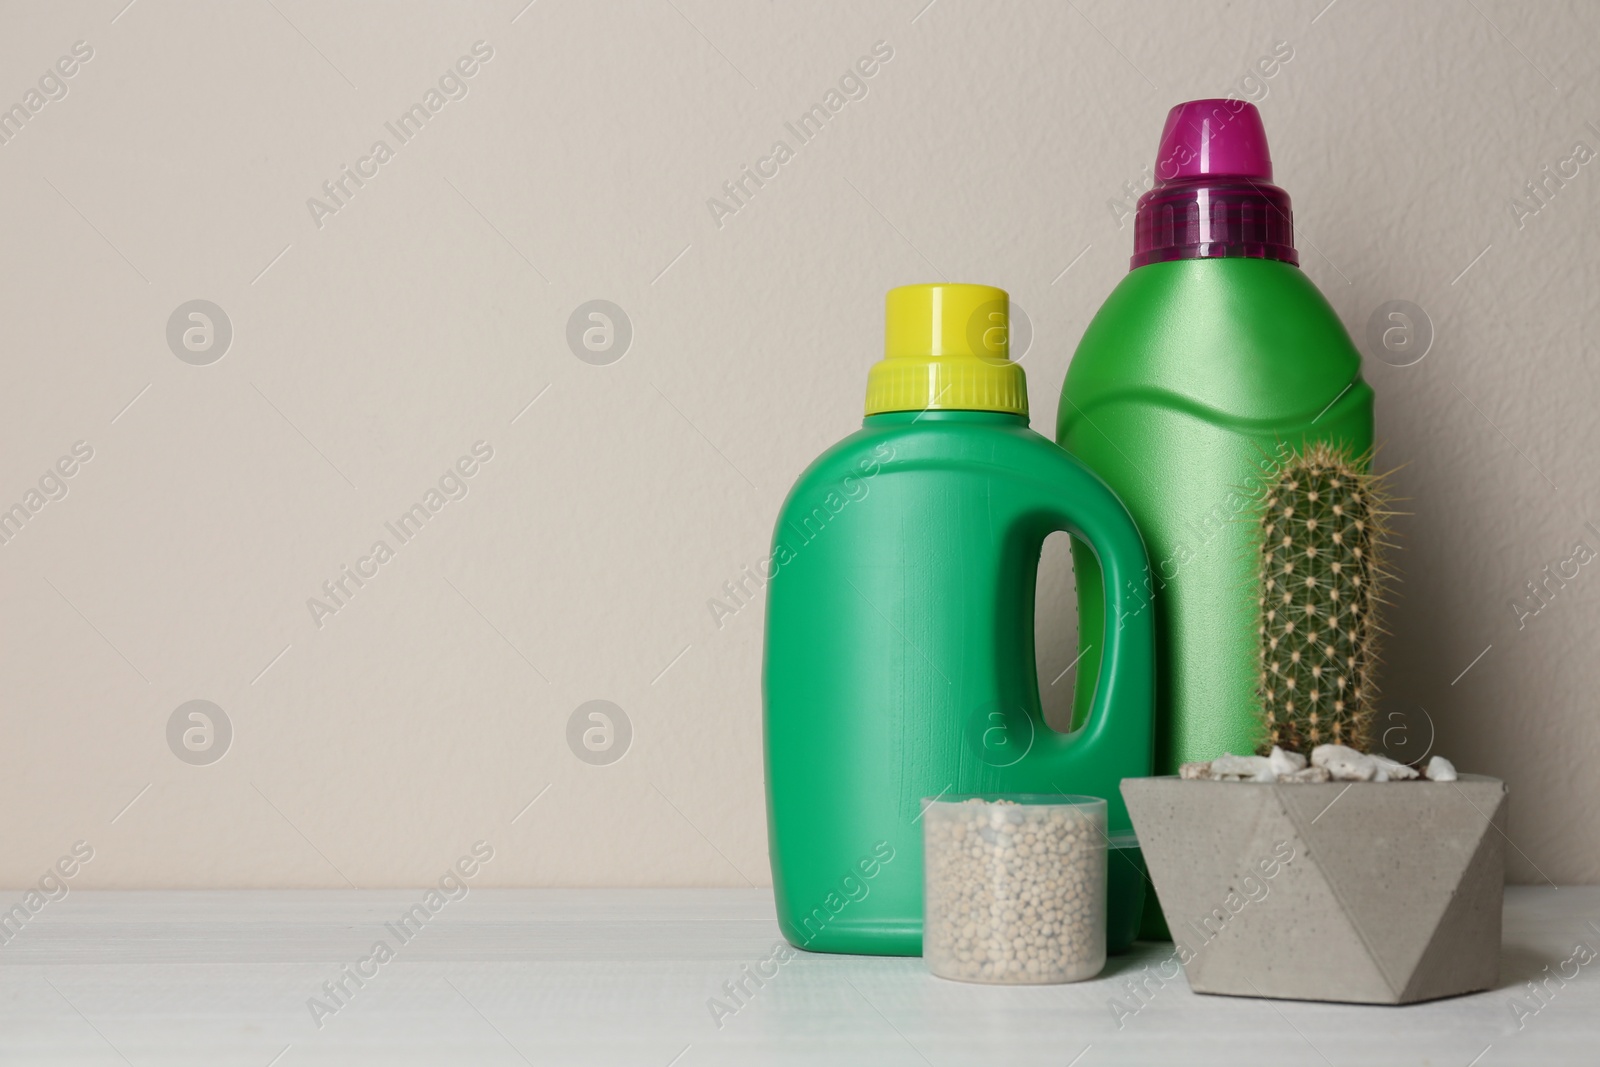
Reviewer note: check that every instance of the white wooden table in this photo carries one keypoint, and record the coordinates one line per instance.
(624, 977)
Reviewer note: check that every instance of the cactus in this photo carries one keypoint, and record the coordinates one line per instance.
(1324, 528)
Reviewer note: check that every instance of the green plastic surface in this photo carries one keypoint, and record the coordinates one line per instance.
(1190, 382)
(900, 660)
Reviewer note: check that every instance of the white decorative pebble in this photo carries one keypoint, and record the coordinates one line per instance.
(1202, 769)
(1344, 763)
(1441, 770)
(1394, 769)
(1014, 893)
(1285, 762)
(1244, 768)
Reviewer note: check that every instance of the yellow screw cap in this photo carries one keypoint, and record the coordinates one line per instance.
(947, 347)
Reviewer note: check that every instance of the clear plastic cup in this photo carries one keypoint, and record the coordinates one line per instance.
(1014, 888)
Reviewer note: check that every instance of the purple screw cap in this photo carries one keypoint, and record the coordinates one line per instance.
(1213, 195)
(1214, 139)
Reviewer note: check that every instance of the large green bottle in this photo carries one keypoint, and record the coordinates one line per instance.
(1211, 361)
(900, 613)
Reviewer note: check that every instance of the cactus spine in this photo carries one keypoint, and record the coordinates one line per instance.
(1324, 532)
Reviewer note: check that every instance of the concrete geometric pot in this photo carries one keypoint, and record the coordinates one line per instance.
(1366, 892)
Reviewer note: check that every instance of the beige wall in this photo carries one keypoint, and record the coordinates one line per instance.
(371, 352)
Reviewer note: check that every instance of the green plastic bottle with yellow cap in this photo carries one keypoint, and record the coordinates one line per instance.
(900, 617)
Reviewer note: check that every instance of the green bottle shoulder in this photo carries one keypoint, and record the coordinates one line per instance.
(1245, 340)
(931, 441)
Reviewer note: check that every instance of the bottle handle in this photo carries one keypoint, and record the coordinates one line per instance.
(1085, 507)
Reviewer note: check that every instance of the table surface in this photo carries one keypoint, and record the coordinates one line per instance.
(602, 976)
